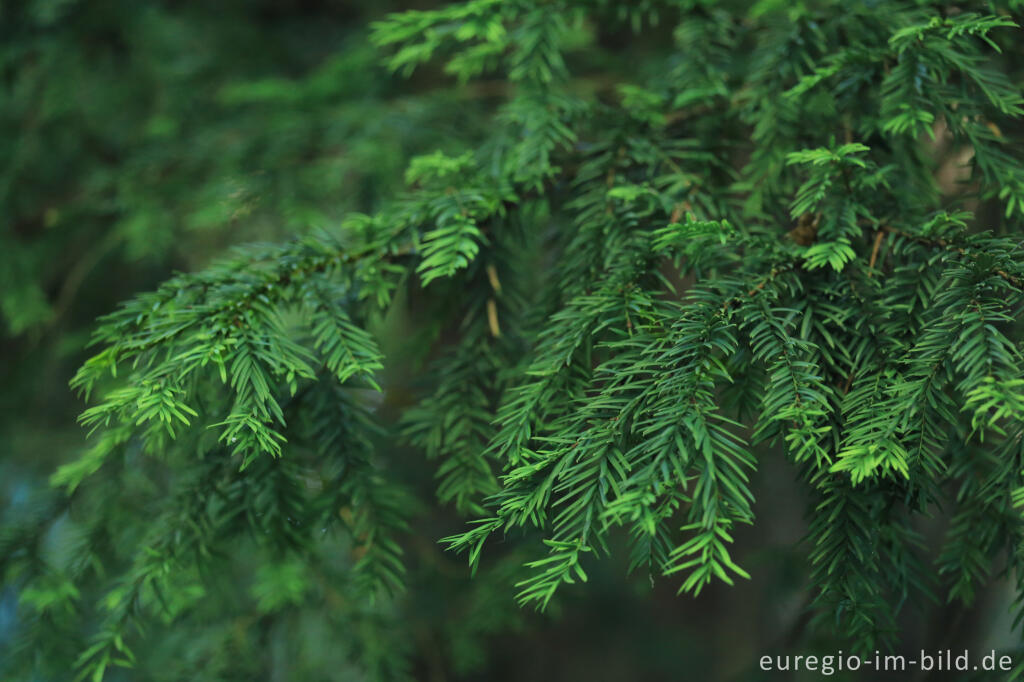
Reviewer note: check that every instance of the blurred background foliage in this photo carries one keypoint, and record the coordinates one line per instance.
(143, 137)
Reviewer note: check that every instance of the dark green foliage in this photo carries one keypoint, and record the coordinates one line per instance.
(639, 283)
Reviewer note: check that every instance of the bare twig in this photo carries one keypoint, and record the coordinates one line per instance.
(874, 250)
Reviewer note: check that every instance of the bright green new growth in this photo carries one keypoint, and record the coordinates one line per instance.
(651, 287)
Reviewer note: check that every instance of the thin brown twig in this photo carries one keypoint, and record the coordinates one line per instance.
(874, 250)
(767, 278)
(946, 244)
(492, 275)
(759, 286)
(492, 318)
(677, 213)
